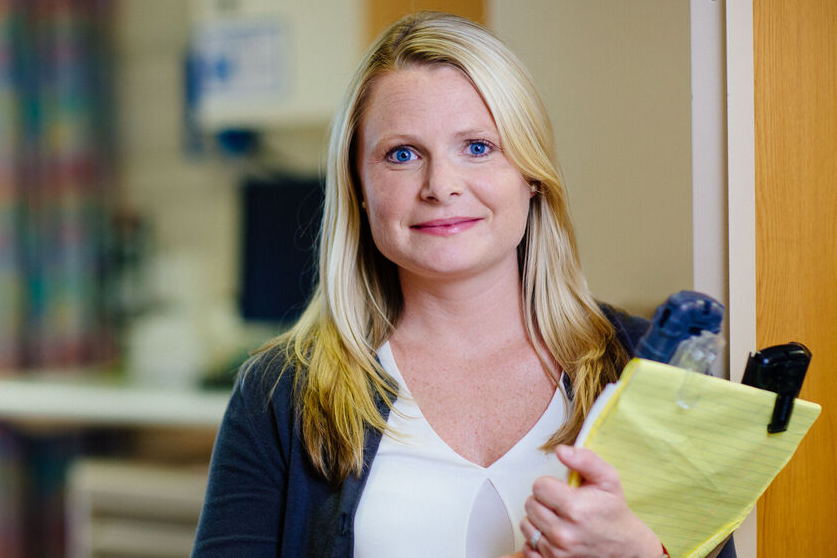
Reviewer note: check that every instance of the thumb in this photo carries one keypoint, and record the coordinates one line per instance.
(592, 468)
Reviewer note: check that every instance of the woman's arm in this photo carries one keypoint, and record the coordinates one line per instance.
(245, 497)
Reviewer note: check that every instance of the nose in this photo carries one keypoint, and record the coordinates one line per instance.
(441, 182)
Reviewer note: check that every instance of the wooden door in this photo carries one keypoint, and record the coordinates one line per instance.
(380, 13)
(795, 62)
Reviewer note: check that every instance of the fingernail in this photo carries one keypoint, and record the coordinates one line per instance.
(565, 451)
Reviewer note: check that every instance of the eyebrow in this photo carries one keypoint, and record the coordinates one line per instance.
(394, 139)
(477, 133)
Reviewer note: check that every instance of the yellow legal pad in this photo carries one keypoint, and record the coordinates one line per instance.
(691, 474)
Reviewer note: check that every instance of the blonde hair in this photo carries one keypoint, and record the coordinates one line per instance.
(338, 384)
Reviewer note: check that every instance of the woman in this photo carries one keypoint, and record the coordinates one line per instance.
(451, 345)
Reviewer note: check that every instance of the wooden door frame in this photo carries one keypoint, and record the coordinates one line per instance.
(741, 210)
(723, 180)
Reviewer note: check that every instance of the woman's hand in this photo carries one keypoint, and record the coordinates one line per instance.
(592, 520)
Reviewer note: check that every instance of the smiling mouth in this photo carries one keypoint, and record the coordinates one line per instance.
(445, 227)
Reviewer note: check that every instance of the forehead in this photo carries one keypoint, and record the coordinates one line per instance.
(437, 92)
(413, 73)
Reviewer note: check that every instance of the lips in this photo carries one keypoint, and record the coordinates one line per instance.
(444, 227)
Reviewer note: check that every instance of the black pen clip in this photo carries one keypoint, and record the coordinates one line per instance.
(780, 369)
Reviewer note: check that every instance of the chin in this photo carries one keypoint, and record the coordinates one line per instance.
(455, 268)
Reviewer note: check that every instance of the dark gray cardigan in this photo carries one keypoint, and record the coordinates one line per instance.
(264, 499)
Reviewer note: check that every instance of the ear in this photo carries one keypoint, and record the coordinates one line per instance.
(533, 188)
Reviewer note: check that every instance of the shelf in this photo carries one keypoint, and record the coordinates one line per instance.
(89, 403)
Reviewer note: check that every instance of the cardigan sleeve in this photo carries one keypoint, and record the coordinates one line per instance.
(629, 329)
(246, 492)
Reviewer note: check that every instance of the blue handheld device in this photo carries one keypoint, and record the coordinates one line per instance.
(683, 315)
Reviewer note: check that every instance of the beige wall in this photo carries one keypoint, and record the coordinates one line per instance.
(615, 79)
(189, 201)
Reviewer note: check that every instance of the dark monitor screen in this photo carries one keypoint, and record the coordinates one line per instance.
(280, 222)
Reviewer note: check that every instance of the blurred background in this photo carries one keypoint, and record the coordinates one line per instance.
(160, 183)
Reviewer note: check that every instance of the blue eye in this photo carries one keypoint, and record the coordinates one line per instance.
(401, 155)
(478, 148)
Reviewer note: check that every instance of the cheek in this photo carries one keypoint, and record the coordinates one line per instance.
(384, 215)
(384, 231)
(523, 219)
(518, 205)
(374, 201)
(377, 221)
(519, 197)
(387, 201)
(380, 209)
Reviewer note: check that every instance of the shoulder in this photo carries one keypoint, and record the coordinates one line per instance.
(629, 329)
(263, 369)
(260, 418)
(266, 378)
(263, 394)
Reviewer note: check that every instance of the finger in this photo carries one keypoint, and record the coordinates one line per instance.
(592, 468)
(554, 531)
(552, 493)
(544, 549)
(541, 517)
(533, 534)
(527, 529)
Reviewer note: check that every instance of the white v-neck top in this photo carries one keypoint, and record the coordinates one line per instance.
(423, 499)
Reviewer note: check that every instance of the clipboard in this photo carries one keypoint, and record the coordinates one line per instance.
(692, 472)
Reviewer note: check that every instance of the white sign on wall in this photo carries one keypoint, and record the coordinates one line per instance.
(273, 64)
(242, 67)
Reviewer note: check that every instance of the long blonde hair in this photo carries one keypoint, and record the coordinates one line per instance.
(339, 385)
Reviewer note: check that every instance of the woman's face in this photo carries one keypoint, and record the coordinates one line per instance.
(442, 199)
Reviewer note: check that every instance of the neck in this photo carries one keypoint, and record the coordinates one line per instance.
(474, 310)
